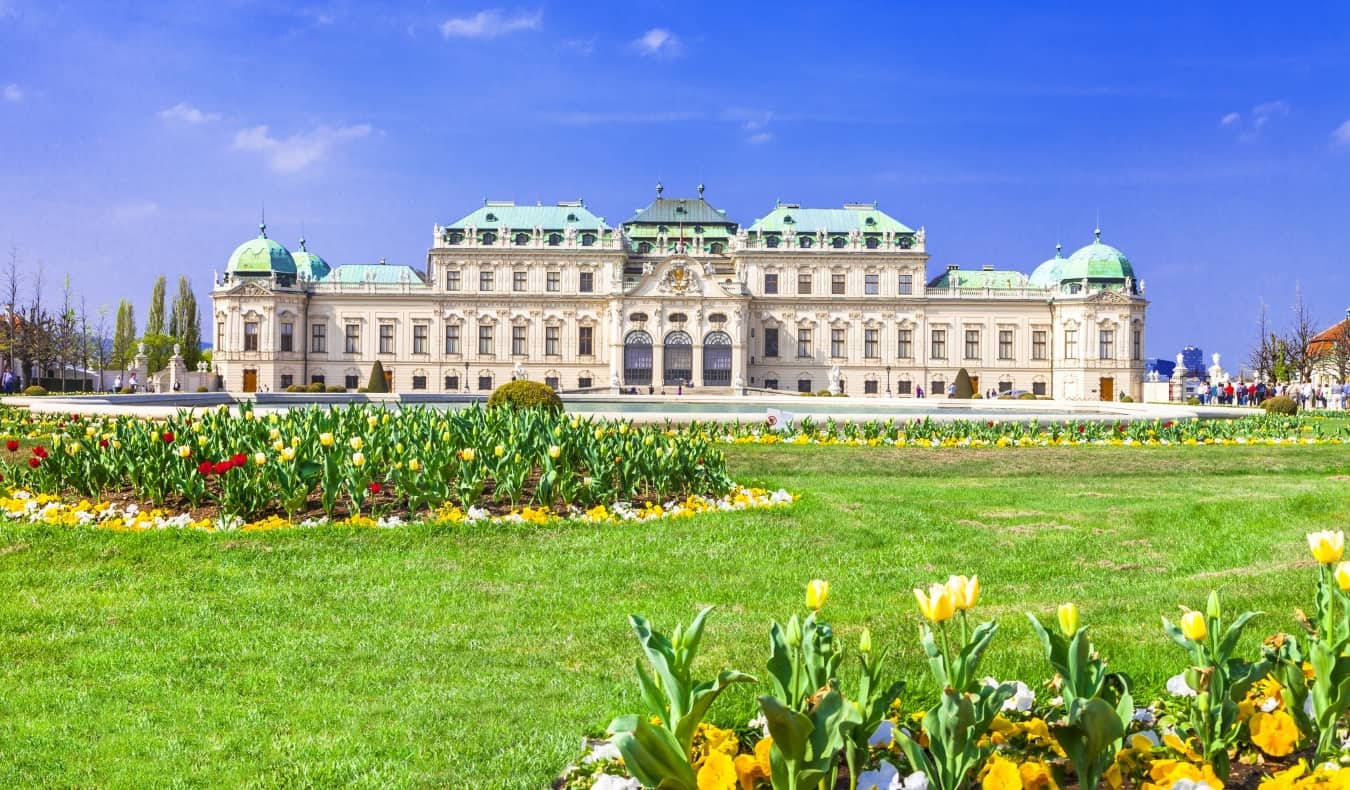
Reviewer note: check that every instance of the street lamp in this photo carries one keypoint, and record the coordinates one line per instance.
(888, 381)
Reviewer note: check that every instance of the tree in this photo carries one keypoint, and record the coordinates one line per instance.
(377, 381)
(124, 336)
(154, 320)
(10, 291)
(1298, 340)
(1262, 355)
(185, 323)
(99, 347)
(964, 389)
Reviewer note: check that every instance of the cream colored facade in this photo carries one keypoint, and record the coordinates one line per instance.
(840, 300)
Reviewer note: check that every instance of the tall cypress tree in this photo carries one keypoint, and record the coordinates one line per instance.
(154, 320)
(124, 335)
(185, 324)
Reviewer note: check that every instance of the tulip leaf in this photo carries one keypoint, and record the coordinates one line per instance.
(703, 697)
(652, 755)
(1230, 637)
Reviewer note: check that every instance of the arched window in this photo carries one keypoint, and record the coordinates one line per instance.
(717, 360)
(715, 248)
(522, 239)
(838, 242)
(554, 239)
(587, 239)
(644, 247)
(804, 241)
(637, 358)
(906, 242)
(488, 237)
(873, 242)
(678, 359)
(771, 242)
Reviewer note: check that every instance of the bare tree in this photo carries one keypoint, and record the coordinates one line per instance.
(99, 344)
(1298, 340)
(10, 291)
(1260, 358)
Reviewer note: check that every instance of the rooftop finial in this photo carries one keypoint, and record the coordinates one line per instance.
(262, 222)
(659, 188)
(1098, 231)
(1059, 249)
(302, 243)
(700, 189)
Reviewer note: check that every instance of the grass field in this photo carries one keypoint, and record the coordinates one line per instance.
(477, 657)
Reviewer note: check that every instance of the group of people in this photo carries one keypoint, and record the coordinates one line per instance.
(10, 384)
(1252, 393)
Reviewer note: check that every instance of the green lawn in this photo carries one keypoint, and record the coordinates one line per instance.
(478, 657)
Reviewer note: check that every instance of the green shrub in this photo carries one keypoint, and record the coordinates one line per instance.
(976, 396)
(1005, 396)
(1280, 404)
(1126, 399)
(964, 390)
(824, 393)
(35, 391)
(336, 388)
(377, 382)
(1027, 396)
(203, 389)
(295, 388)
(807, 394)
(314, 387)
(1192, 401)
(525, 394)
(126, 391)
(362, 389)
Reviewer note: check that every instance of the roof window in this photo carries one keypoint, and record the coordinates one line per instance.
(788, 220)
(870, 221)
(491, 217)
(571, 217)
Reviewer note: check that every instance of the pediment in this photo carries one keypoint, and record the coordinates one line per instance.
(1109, 297)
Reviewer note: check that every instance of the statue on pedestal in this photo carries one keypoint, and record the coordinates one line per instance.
(836, 380)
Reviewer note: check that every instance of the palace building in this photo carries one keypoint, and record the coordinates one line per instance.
(681, 295)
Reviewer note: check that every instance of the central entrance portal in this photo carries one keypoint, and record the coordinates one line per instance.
(678, 357)
(717, 360)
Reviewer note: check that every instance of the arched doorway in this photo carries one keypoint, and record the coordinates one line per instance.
(717, 360)
(637, 358)
(678, 359)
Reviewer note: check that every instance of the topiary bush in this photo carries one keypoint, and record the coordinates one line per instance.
(525, 394)
(377, 382)
(1192, 401)
(1027, 396)
(1126, 399)
(976, 396)
(823, 393)
(964, 390)
(1280, 404)
(35, 391)
(1005, 396)
(203, 389)
(314, 387)
(336, 388)
(295, 388)
(126, 391)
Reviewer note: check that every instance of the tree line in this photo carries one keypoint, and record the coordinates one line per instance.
(1287, 353)
(59, 341)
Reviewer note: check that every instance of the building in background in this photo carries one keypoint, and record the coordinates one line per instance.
(681, 295)
(1194, 360)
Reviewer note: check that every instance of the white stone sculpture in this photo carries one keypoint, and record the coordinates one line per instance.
(836, 380)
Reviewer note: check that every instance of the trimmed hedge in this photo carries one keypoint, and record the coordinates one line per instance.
(525, 394)
(1280, 404)
(964, 389)
(35, 391)
(377, 382)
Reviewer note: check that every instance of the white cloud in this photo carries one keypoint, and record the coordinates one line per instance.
(491, 23)
(13, 93)
(659, 43)
(1342, 134)
(1262, 113)
(1230, 119)
(182, 112)
(300, 150)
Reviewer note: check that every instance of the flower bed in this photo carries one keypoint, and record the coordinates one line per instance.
(1275, 719)
(363, 463)
(926, 432)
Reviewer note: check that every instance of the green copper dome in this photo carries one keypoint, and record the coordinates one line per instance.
(1097, 262)
(261, 256)
(308, 265)
(1047, 274)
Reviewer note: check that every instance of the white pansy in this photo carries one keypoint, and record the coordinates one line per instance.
(601, 751)
(1270, 704)
(1177, 686)
(759, 723)
(915, 781)
(885, 777)
(1144, 716)
(612, 782)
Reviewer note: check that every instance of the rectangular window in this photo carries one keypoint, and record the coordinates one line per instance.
(836, 342)
(551, 341)
(906, 284)
(770, 384)
(1005, 344)
(937, 387)
(352, 341)
(220, 334)
(317, 378)
(420, 334)
(872, 343)
(771, 283)
(518, 281)
(771, 341)
(939, 349)
(904, 387)
(837, 283)
(518, 341)
(1038, 342)
(586, 282)
(485, 280)
(452, 338)
(871, 284)
(452, 279)
(803, 343)
(250, 335)
(287, 380)
(485, 339)
(1136, 345)
(1106, 344)
(419, 382)
(1005, 386)
(386, 338)
(484, 383)
(351, 382)
(803, 385)
(904, 343)
(1038, 388)
(972, 344)
(585, 341)
(287, 339)
(318, 338)
(803, 282)
(452, 383)
(551, 382)
(1071, 344)
(553, 282)
(870, 387)
(583, 382)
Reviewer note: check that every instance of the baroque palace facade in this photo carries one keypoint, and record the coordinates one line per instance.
(681, 295)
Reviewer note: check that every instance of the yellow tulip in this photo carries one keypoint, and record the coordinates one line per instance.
(466, 454)
(358, 459)
(499, 450)
(260, 458)
(288, 453)
(184, 452)
(414, 465)
(1068, 619)
(1327, 547)
(554, 451)
(816, 593)
(1193, 626)
(1343, 576)
(965, 592)
(357, 443)
(937, 606)
(326, 439)
(277, 445)
(865, 642)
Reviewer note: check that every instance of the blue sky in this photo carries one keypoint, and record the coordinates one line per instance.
(138, 138)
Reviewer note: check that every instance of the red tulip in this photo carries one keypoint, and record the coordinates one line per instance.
(40, 451)
(102, 442)
(239, 459)
(167, 437)
(12, 445)
(204, 468)
(221, 467)
(375, 488)
(34, 462)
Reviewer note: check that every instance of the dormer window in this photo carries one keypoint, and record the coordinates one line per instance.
(804, 242)
(679, 210)
(662, 229)
(715, 248)
(571, 217)
(522, 239)
(870, 221)
(788, 220)
(838, 242)
(698, 228)
(491, 217)
(488, 238)
(906, 242)
(771, 242)
(872, 242)
(455, 237)
(587, 239)
(644, 247)
(554, 239)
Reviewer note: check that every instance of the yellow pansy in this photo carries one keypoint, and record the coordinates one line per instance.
(1274, 733)
(718, 772)
(1001, 773)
